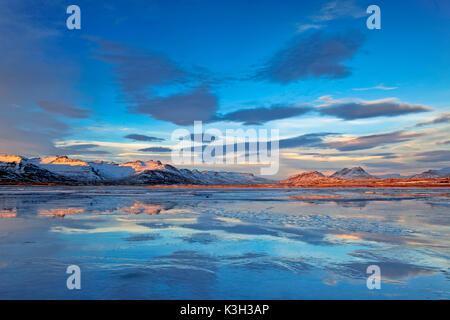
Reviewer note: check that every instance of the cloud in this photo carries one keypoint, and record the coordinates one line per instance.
(141, 73)
(377, 87)
(203, 137)
(27, 132)
(137, 70)
(257, 116)
(64, 109)
(385, 155)
(29, 74)
(80, 149)
(156, 149)
(443, 142)
(443, 118)
(305, 140)
(434, 156)
(339, 9)
(182, 108)
(371, 141)
(141, 137)
(388, 164)
(313, 56)
(305, 27)
(370, 109)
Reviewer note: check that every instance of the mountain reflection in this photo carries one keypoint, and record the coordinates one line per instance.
(8, 213)
(60, 212)
(139, 207)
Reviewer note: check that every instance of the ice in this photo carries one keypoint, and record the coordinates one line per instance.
(230, 243)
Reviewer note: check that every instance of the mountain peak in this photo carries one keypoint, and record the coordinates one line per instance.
(10, 158)
(63, 160)
(140, 166)
(305, 178)
(429, 174)
(353, 173)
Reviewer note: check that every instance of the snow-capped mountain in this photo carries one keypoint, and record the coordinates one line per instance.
(316, 177)
(74, 171)
(312, 177)
(14, 169)
(430, 174)
(354, 173)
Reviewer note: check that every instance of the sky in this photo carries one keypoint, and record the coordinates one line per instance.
(340, 94)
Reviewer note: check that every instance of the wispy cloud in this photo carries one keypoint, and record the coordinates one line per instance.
(377, 87)
(309, 140)
(142, 137)
(371, 141)
(434, 156)
(443, 118)
(389, 165)
(156, 149)
(305, 140)
(81, 149)
(339, 9)
(309, 26)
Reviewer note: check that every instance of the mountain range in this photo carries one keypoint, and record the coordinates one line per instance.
(63, 170)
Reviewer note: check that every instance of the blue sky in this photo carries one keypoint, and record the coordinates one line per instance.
(304, 67)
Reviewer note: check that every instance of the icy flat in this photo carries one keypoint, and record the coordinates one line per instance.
(224, 243)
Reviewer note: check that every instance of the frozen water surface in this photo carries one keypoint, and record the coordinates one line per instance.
(223, 243)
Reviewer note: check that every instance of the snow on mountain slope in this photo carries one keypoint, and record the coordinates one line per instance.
(140, 166)
(10, 158)
(441, 173)
(354, 173)
(172, 175)
(65, 170)
(24, 171)
(312, 177)
(111, 170)
(71, 168)
(445, 172)
(233, 178)
(316, 177)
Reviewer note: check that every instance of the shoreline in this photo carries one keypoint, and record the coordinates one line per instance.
(367, 183)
